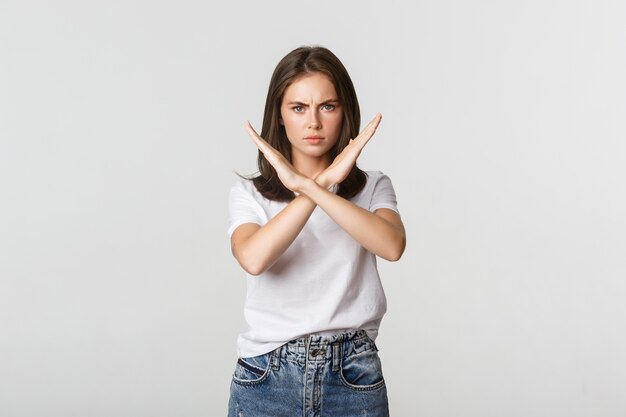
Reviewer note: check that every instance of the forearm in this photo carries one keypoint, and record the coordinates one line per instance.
(259, 251)
(372, 231)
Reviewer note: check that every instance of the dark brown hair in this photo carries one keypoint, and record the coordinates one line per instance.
(300, 61)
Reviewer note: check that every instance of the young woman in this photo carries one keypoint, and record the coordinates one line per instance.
(307, 230)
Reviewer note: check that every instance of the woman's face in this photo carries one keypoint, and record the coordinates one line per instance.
(312, 116)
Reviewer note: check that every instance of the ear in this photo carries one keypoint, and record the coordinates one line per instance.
(280, 120)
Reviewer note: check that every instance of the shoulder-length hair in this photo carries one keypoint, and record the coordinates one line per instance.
(300, 61)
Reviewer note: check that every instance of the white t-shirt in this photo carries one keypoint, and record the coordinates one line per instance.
(325, 282)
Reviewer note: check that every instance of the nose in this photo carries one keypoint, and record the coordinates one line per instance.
(314, 121)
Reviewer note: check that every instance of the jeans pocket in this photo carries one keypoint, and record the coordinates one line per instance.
(363, 371)
(253, 370)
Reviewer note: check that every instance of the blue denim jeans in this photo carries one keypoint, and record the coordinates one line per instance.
(316, 376)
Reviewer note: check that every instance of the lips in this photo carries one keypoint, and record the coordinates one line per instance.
(314, 140)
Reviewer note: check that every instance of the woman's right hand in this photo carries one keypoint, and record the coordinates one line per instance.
(287, 173)
(343, 163)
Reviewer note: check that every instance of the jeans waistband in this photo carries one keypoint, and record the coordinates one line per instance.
(325, 347)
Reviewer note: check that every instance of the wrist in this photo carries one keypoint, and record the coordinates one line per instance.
(323, 182)
(306, 186)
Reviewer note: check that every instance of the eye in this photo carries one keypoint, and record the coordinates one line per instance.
(328, 107)
(298, 109)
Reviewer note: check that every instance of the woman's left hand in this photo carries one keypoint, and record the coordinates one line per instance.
(287, 173)
(343, 163)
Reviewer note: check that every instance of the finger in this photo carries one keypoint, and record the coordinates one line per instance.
(253, 134)
(376, 120)
(370, 128)
(258, 140)
(272, 156)
(373, 124)
(367, 133)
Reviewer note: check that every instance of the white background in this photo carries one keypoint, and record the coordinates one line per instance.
(121, 126)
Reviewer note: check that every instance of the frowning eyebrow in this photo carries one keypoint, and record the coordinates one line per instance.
(299, 103)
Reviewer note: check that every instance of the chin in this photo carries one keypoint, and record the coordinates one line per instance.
(318, 154)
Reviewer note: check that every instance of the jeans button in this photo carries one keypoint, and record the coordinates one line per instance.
(316, 352)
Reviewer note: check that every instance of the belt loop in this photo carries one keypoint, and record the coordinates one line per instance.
(336, 356)
(275, 359)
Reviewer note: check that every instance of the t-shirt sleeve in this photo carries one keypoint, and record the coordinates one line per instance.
(383, 195)
(243, 208)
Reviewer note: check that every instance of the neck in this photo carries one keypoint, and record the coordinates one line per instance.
(311, 167)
